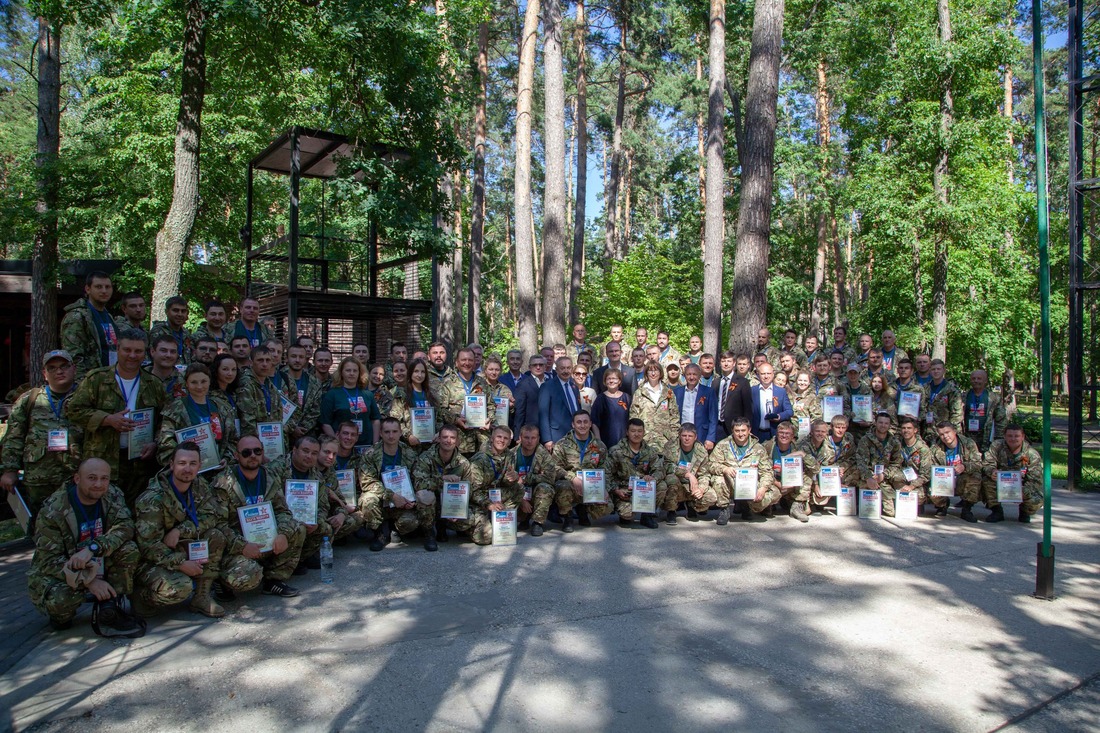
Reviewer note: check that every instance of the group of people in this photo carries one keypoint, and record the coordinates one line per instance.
(166, 466)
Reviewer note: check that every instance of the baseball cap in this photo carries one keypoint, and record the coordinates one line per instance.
(853, 367)
(58, 354)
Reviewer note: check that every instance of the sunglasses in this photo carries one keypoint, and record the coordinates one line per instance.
(249, 452)
(580, 374)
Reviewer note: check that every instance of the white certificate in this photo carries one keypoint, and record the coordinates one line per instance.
(288, 407)
(475, 411)
(909, 404)
(594, 489)
(910, 474)
(495, 496)
(973, 425)
(504, 527)
(203, 436)
(397, 481)
(846, 502)
(423, 424)
(643, 499)
(198, 551)
(804, 427)
(271, 438)
(258, 525)
(831, 406)
(861, 407)
(905, 506)
(301, 499)
(57, 440)
(1010, 487)
(142, 434)
(502, 410)
(455, 503)
(870, 504)
(943, 480)
(346, 482)
(791, 475)
(745, 484)
(828, 481)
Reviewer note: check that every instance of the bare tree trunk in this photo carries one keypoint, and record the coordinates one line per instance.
(824, 208)
(456, 263)
(1010, 163)
(445, 281)
(713, 179)
(48, 184)
(477, 216)
(625, 238)
(509, 258)
(174, 234)
(525, 240)
(918, 283)
(940, 189)
(612, 250)
(580, 124)
(553, 215)
(750, 266)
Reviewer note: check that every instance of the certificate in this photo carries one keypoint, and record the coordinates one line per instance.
(288, 407)
(804, 427)
(271, 438)
(943, 480)
(1010, 487)
(831, 406)
(504, 527)
(20, 509)
(398, 482)
(643, 499)
(346, 483)
(910, 474)
(595, 491)
(495, 496)
(791, 475)
(905, 506)
(502, 404)
(423, 424)
(301, 499)
(198, 551)
(828, 481)
(258, 524)
(909, 404)
(861, 407)
(846, 502)
(202, 435)
(870, 504)
(745, 484)
(142, 434)
(475, 411)
(455, 503)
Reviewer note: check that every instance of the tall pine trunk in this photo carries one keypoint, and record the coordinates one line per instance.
(524, 219)
(554, 198)
(477, 217)
(174, 235)
(444, 268)
(824, 205)
(580, 123)
(48, 183)
(612, 248)
(750, 265)
(714, 201)
(940, 188)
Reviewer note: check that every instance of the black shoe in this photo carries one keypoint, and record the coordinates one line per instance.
(301, 569)
(441, 532)
(723, 516)
(223, 593)
(961, 503)
(703, 516)
(1024, 517)
(968, 513)
(582, 516)
(769, 512)
(626, 523)
(363, 534)
(61, 625)
(693, 516)
(941, 511)
(525, 524)
(313, 562)
(567, 524)
(277, 588)
(997, 514)
(650, 520)
(381, 538)
(430, 544)
(536, 529)
(670, 517)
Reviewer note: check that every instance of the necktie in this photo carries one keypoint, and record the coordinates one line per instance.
(570, 398)
(722, 398)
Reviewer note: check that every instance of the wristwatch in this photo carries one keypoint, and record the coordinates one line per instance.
(94, 548)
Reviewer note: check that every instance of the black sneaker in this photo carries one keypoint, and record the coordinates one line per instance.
(536, 529)
(649, 521)
(670, 517)
(723, 516)
(277, 588)
(997, 514)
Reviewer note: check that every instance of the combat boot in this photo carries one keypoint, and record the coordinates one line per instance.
(723, 516)
(223, 593)
(967, 512)
(203, 601)
(429, 543)
(382, 537)
(650, 520)
(536, 529)
(567, 523)
(1025, 516)
(997, 514)
(441, 531)
(582, 516)
(798, 511)
(670, 517)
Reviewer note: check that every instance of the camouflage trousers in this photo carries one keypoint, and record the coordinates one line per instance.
(57, 600)
(771, 497)
(680, 491)
(542, 497)
(281, 566)
(159, 587)
(133, 477)
(723, 487)
(1033, 498)
(796, 493)
(35, 494)
(404, 521)
(625, 509)
(890, 490)
(566, 497)
(479, 526)
(851, 477)
(352, 524)
(968, 487)
(312, 543)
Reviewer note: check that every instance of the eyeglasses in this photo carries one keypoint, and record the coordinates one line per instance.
(249, 452)
(538, 364)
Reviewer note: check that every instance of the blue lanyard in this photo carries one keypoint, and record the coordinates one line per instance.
(303, 388)
(523, 463)
(60, 402)
(179, 337)
(934, 390)
(468, 386)
(636, 458)
(121, 388)
(202, 418)
(252, 334)
(188, 504)
(388, 462)
(739, 452)
(353, 404)
(496, 471)
(259, 482)
(906, 452)
(583, 447)
(267, 395)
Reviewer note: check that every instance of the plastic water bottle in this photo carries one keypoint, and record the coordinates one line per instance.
(326, 561)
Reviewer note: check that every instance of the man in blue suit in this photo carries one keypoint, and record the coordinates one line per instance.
(559, 398)
(698, 405)
(527, 392)
(770, 405)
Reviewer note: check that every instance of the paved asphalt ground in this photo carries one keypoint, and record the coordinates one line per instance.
(843, 624)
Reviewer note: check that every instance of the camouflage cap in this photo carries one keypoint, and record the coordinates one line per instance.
(57, 354)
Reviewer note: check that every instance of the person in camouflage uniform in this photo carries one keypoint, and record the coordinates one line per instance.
(980, 406)
(962, 454)
(875, 367)
(175, 311)
(214, 325)
(1013, 453)
(823, 383)
(103, 532)
(440, 464)
(579, 450)
(687, 478)
(764, 348)
(399, 354)
(854, 384)
(499, 393)
(246, 483)
(790, 345)
(327, 460)
(844, 444)
(249, 326)
(133, 308)
(654, 403)
(40, 441)
(384, 510)
(322, 368)
(259, 400)
(101, 410)
(741, 450)
(179, 509)
(891, 354)
(301, 465)
(916, 467)
(633, 457)
(453, 390)
(305, 390)
(376, 383)
(197, 407)
(906, 382)
(945, 400)
(840, 343)
(817, 451)
(878, 458)
(88, 332)
(883, 398)
(538, 474)
(437, 365)
(804, 403)
(782, 446)
(495, 486)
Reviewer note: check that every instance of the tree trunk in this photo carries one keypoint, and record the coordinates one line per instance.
(48, 184)
(553, 215)
(444, 269)
(714, 204)
(477, 216)
(750, 266)
(456, 262)
(940, 189)
(580, 123)
(612, 250)
(525, 240)
(918, 283)
(174, 234)
(824, 208)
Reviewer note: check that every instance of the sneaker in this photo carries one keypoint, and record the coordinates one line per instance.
(536, 529)
(723, 516)
(277, 588)
(670, 517)
(997, 514)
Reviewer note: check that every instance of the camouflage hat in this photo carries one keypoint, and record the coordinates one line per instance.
(853, 367)
(57, 354)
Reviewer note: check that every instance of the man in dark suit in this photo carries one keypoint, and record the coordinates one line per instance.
(698, 405)
(527, 392)
(559, 398)
(770, 405)
(614, 352)
(733, 395)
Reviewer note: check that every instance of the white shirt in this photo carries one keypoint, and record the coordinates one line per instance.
(687, 412)
(765, 406)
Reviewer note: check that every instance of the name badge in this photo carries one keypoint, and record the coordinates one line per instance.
(972, 425)
(930, 418)
(527, 494)
(494, 496)
(909, 473)
(879, 469)
(57, 440)
(359, 425)
(198, 551)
